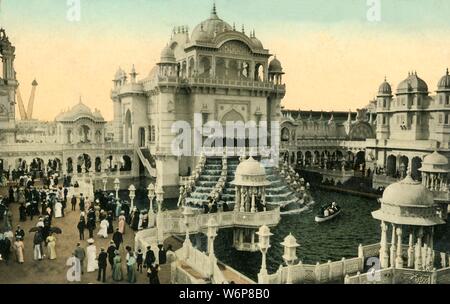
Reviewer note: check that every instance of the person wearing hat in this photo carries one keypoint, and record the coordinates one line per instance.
(121, 223)
(149, 257)
(20, 233)
(22, 212)
(111, 253)
(117, 269)
(102, 263)
(19, 249)
(80, 254)
(131, 268)
(82, 202)
(73, 202)
(91, 254)
(81, 226)
(117, 238)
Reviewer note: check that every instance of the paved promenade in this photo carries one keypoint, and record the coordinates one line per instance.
(54, 272)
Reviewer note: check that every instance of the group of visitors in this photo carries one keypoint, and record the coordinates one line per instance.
(134, 262)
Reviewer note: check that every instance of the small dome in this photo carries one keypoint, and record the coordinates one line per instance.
(385, 88)
(275, 66)
(78, 111)
(209, 27)
(257, 43)
(444, 83)
(435, 159)
(201, 35)
(407, 193)
(250, 173)
(168, 55)
(408, 203)
(412, 84)
(435, 163)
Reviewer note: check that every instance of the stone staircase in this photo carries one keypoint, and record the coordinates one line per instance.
(206, 182)
(277, 194)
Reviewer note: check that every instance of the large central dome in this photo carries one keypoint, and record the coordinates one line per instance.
(206, 30)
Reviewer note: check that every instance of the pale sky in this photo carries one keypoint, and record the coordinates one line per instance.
(334, 58)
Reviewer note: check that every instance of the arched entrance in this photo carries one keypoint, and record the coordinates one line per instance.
(98, 164)
(360, 161)
(141, 137)
(85, 134)
(308, 158)
(391, 166)
(404, 161)
(128, 127)
(69, 165)
(416, 165)
(234, 122)
(84, 161)
(127, 163)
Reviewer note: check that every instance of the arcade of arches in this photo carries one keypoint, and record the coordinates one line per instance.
(327, 159)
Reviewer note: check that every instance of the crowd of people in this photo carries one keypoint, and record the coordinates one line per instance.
(103, 217)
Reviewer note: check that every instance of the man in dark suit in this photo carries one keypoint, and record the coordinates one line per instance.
(73, 201)
(117, 238)
(111, 251)
(149, 257)
(102, 263)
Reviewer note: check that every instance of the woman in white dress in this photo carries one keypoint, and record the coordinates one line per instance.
(91, 253)
(103, 232)
(58, 210)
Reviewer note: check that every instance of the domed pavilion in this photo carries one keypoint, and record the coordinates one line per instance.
(250, 182)
(409, 207)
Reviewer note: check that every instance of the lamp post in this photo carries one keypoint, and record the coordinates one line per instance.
(159, 198)
(290, 246)
(132, 190)
(151, 196)
(211, 234)
(187, 212)
(117, 187)
(105, 181)
(264, 235)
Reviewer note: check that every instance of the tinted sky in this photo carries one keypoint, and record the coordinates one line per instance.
(333, 56)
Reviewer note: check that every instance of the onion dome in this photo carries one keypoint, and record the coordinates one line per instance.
(77, 112)
(435, 163)
(167, 55)
(408, 202)
(444, 83)
(412, 84)
(201, 35)
(275, 66)
(385, 89)
(256, 42)
(208, 28)
(250, 173)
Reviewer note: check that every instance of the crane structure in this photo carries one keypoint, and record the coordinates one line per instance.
(28, 113)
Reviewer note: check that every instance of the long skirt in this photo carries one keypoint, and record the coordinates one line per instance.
(37, 252)
(117, 272)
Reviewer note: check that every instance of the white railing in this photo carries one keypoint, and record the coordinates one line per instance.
(175, 223)
(397, 276)
(319, 273)
(146, 163)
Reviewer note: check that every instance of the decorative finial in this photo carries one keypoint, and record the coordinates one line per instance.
(234, 26)
(385, 78)
(243, 29)
(447, 71)
(214, 10)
